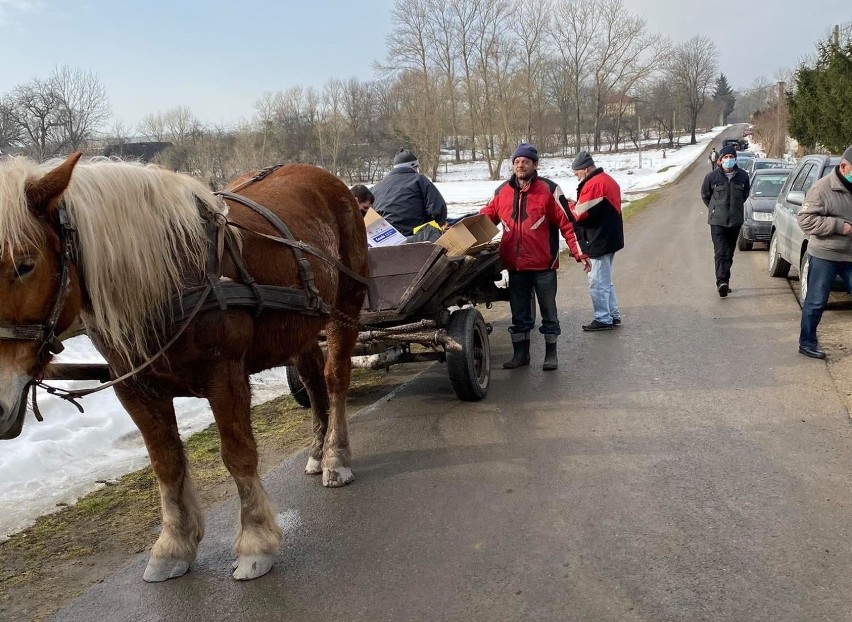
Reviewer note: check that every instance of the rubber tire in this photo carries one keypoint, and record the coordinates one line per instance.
(778, 266)
(804, 267)
(470, 369)
(742, 243)
(297, 389)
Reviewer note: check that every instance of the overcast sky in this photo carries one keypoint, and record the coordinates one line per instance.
(218, 57)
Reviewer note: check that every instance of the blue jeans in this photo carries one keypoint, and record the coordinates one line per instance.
(521, 288)
(602, 290)
(821, 275)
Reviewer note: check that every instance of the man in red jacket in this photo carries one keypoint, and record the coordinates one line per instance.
(532, 210)
(600, 231)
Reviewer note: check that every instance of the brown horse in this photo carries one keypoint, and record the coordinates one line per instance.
(117, 243)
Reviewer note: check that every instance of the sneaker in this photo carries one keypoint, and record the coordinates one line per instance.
(616, 321)
(723, 289)
(595, 325)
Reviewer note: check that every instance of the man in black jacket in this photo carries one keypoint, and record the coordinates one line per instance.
(406, 198)
(724, 192)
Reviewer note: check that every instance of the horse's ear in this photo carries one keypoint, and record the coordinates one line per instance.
(43, 194)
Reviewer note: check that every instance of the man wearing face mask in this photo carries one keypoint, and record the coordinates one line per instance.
(724, 192)
(826, 217)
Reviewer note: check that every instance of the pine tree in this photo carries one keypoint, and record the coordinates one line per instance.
(724, 94)
(819, 105)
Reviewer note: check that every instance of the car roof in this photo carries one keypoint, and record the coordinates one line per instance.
(771, 171)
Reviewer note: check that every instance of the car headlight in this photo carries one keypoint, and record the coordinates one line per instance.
(767, 216)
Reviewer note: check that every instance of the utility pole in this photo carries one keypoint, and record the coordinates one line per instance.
(639, 131)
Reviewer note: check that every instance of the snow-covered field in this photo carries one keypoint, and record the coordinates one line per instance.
(71, 454)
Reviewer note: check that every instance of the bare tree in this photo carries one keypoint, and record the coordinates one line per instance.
(11, 134)
(82, 106)
(531, 30)
(152, 127)
(692, 69)
(34, 109)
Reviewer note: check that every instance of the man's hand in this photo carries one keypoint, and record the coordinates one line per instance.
(847, 229)
(587, 265)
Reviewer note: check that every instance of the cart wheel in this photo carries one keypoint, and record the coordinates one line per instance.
(470, 369)
(297, 389)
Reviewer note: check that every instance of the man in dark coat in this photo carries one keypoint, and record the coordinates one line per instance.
(724, 192)
(406, 198)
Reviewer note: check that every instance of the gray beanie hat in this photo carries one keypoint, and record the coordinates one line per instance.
(583, 160)
(847, 155)
(404, 156)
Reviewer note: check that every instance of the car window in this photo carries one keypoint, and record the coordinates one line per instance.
(813, 175)
(768, 186)
(799, 181)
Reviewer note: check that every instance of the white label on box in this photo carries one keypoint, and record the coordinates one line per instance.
(382, 233)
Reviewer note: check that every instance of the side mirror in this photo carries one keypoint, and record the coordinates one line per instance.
(796, 197)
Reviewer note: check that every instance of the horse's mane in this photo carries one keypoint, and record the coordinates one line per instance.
(140, 235)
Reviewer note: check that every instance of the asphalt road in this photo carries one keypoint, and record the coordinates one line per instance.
(690, 465)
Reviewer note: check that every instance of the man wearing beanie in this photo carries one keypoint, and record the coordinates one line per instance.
(600, 231)
(406, 198)
(724, 192)
(532, 212)
(826, 217)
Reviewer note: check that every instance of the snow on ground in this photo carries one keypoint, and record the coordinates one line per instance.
(70, 454)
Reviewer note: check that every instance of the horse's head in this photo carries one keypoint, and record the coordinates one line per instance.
(39, 287)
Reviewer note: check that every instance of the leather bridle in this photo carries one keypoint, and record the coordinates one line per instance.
(45, 333)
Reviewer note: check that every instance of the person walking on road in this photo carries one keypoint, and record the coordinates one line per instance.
(600, 231)
(406, 198)
(826, 217)
(724, 192)
(714, 155)
(532, 212)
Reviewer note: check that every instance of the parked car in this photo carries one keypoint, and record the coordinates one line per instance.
(740, 144)
(744, 159)
(756, 164)
(766, 185)
(788, 245)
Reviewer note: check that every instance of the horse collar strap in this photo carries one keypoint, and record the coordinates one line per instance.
(46, 333)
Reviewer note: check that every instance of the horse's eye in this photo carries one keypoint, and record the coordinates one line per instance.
(24, 267)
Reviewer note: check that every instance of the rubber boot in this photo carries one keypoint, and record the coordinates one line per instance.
(521, 346)
(550, 360)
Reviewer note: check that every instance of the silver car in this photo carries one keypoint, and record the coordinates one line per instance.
(788, 244)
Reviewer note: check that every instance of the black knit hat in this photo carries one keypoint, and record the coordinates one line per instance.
(727, 150)
(525, 150)
(404, 156)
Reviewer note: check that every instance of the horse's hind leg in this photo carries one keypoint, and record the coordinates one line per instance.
(258, 537)
(310, 366)
(336, 470)
(183, 521)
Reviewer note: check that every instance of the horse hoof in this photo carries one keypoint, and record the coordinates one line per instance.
(164, 568)
(334, 478)
(313, 467)
(252, 566)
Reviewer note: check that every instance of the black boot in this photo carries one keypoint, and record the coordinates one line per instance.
(550, 360)
(521, 346)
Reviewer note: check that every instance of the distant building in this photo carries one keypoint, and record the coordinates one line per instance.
(142, 151)
(620, 104)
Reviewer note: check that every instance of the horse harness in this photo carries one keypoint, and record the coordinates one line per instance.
(217, 292)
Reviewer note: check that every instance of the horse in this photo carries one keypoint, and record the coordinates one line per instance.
(116, 243)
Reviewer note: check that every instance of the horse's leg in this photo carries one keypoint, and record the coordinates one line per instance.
(183, 520)
(336, 456)
(258, 537)
(310, 366)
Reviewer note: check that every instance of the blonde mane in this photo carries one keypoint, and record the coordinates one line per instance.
(140, 237)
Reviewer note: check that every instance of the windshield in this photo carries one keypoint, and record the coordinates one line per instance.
(761, 165)
(768, 185)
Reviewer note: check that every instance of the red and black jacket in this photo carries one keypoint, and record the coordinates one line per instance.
(532, 219)
(597, 215)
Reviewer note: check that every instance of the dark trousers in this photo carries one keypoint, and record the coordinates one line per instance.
(521, 288)
(724, 244)
(821, 275)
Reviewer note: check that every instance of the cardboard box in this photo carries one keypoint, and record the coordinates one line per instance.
(380, 232)
(468, 236)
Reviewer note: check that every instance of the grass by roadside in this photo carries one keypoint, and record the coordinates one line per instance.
(46, 566)
(634, 207)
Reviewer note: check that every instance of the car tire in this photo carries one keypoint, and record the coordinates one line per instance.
(804, 268)
(778, 266)
(743, 244)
